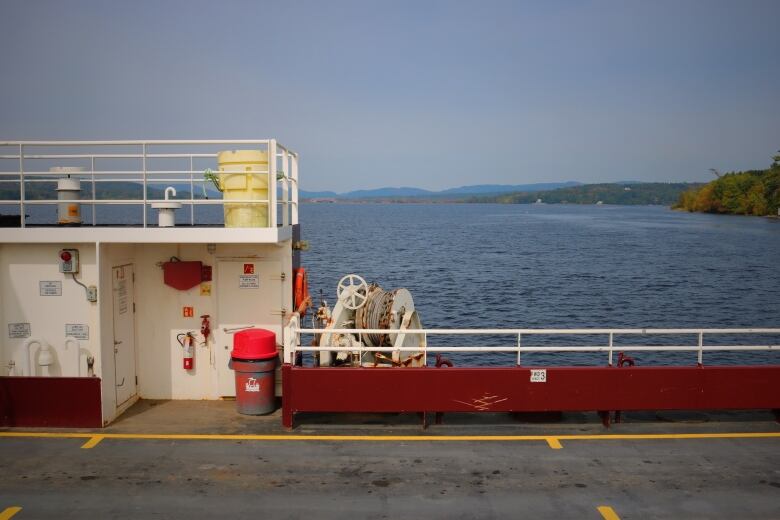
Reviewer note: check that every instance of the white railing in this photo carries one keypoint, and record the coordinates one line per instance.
(26, 163)
(293, 332)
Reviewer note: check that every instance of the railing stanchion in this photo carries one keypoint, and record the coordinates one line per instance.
(22, 217)
(518, 348)
(701, 348)
(610, 349)
(94, 189)
(272, 217)
(285, 188)
(192, 193)
(143, 147)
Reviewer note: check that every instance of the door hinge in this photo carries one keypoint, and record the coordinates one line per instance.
(133, 307)
(136, 380)
(133, 277)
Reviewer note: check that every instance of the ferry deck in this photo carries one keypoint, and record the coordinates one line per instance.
(100, 417)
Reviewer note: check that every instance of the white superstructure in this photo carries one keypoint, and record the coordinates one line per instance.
(108, 305)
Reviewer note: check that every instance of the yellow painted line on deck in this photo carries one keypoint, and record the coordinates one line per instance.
(389, 438)
(92, 442)
(9, 512)
(608, 513)
(554, 443)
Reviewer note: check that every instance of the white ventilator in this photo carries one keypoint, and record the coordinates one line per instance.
(363, 306)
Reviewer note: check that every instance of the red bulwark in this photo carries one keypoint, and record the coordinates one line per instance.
(429, 389)
(55, 402)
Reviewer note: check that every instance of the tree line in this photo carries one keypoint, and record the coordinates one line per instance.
(663, 193)
(752, 192)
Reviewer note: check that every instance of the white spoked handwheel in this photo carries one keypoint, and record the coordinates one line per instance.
(352, 291)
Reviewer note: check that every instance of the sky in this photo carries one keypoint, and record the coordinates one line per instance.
(431, 94)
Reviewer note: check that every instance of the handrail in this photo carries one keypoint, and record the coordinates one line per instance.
(293, 332)
(136, 164)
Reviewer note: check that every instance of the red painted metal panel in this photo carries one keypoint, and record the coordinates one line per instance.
(431, 389)
(57, 402)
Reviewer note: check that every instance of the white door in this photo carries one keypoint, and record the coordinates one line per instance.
(124, 333)
(249, 294)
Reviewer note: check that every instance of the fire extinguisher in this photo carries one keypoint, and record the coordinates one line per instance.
(187, 342)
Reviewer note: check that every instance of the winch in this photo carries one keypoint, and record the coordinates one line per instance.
(368, 306)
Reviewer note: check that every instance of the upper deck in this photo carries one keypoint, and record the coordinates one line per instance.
(120, 183)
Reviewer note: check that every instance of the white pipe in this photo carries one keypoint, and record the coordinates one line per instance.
(45, 358)
(170, 190)
(27, 364)
(71, 340)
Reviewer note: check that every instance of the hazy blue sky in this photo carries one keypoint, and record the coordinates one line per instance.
(430, 94)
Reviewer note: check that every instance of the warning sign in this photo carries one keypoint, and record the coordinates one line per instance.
(249, 281)
(18, 330)
(187, 312)
(249, 268)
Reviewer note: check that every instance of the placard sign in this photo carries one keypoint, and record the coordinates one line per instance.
(19, 330)
(249, 281)
(77, 330)
(539, 375)
(50, 288)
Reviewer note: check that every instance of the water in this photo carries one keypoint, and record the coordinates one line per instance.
(558, 266)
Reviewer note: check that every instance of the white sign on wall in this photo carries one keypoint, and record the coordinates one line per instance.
(249, 281)
(539, 375)
(77, 330)
(19, 330)
(50, 288)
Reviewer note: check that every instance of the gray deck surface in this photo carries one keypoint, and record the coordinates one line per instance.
(164, 478)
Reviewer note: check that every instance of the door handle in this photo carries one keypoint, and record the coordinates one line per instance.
(117, 342)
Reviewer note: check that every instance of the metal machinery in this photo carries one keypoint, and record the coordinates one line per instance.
(363, 306)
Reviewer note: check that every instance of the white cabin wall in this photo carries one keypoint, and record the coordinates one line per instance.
(22, 266)
(159, 317)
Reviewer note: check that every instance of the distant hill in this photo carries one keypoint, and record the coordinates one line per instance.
(665, 193)
(406, 192)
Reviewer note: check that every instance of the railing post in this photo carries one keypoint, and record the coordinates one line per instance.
(94, 190)
(285, 188)
(143, 147)
(272, 218)
(610, 349)
(21, 186)
(294, 176)
(192, 193)
(518, 348)
(701, 348)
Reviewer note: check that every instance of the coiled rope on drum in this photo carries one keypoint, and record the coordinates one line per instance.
(375, 314)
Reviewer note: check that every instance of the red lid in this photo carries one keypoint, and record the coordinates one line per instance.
(254, 344)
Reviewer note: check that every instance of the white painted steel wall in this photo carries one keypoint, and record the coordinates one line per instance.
(158, 316)
(22, 267)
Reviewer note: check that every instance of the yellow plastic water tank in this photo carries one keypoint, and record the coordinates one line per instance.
(243, 175)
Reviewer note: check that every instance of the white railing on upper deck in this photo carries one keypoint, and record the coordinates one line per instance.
(293, 332)
(25, 163)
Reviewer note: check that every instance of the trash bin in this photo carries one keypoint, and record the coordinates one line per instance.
(254, 359)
